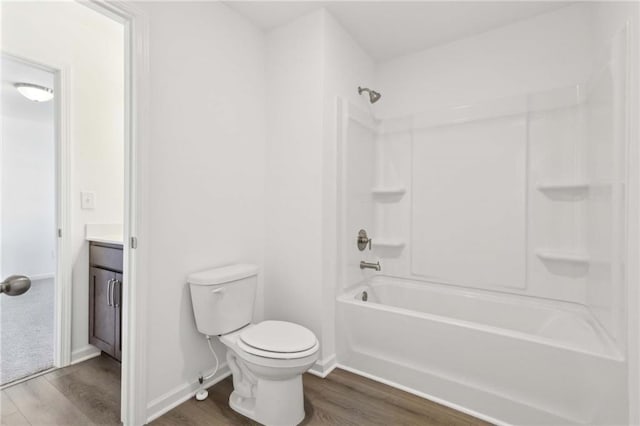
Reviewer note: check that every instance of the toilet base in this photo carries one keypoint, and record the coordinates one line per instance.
(276, 402)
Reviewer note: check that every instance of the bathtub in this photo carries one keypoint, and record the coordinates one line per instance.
(509, 359)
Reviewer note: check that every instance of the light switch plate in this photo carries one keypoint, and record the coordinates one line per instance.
(88, 200)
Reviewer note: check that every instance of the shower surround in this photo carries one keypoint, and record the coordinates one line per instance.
(496, 195)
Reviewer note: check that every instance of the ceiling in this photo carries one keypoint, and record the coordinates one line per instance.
(16, 105)
(388, 29)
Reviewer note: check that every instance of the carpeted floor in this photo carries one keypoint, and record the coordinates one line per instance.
(26, 332)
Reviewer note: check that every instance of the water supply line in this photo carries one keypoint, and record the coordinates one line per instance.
(202, 394)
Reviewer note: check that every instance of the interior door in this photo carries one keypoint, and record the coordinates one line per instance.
(27, 218)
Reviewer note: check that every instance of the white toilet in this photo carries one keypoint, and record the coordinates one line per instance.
(266, 359)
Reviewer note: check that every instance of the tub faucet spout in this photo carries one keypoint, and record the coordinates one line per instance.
(369, 265)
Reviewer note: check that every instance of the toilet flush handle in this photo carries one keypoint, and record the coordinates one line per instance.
(219, 291)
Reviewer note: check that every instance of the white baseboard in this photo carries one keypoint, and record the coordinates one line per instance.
(180, 394)
(41, 277)
(84, 353)
(322, 368)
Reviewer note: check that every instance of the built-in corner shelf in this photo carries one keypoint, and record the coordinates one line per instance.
(578, 185)
(560, 256)
(565, 191)
(573, 186)
(388, 243)
(391, 191)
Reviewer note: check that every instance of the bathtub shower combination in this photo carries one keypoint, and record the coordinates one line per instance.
(499, 225)
(512, 358)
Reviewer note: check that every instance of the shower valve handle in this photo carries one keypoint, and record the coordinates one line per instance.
(363, 240)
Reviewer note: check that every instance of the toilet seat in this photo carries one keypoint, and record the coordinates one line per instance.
(278, 340)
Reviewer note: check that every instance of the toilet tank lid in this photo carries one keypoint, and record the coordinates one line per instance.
(224, 274)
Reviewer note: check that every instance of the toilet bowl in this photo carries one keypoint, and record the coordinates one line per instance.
(267, 373)
(266, 359)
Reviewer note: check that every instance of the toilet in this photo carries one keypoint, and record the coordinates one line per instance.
(266, 359)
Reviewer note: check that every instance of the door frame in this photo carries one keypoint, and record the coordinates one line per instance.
(632, 272)
(136, 29)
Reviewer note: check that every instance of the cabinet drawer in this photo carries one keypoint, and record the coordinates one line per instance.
(103, 256)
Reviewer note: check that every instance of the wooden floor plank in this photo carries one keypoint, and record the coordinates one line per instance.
(186, 414)
(102, 359)
(13, 419)
(343, 398)
(42, 404)
(9, 413)
(409, 404)
(216, 406)
(94, 388)
(6, 405)
(89, 393)
(356, 403)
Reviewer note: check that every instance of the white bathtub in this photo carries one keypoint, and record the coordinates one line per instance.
(510, 359)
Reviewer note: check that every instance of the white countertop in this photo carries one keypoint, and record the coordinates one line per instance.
(104, 233)
(109, 239)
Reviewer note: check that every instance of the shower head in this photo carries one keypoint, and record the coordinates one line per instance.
(373, 95)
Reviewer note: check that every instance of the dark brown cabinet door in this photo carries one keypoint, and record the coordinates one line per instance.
(105, 298)
(102, 311)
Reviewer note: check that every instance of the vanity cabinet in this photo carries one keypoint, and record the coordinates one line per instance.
(105, 298)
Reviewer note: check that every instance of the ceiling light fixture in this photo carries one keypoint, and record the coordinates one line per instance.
(34, 92)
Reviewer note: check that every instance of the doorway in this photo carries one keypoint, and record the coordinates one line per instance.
(134, 29)
(85, 177)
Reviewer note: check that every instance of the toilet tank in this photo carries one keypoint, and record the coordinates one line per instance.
(223, 298)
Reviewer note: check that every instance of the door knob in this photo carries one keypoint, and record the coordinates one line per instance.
(15, 285)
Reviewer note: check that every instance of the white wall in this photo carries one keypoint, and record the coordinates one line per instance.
(310, 63)
(226, 204)
(205, 177)
(293, 180)
(91, 46)
(527, 56)
(28, 199)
